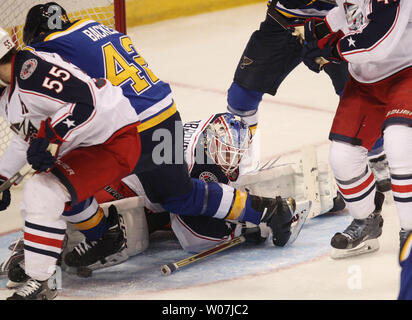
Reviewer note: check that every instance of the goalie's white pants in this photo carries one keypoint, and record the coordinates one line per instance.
(196, 234)
(44, 199)
(357, 183)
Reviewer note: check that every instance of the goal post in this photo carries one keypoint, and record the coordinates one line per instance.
(13, 15)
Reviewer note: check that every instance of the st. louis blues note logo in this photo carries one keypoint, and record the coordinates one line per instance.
(246, 62)
(28, 69)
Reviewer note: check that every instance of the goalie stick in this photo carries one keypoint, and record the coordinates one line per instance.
(172, 267)
(298, 220)
(15, 177)
(25, 170)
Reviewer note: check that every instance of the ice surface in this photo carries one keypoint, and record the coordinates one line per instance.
(197, 56)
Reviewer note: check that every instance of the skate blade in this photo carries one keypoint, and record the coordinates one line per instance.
(13, 285)
(112, 260)
(86, 271)
(301, 213)
(367, 246)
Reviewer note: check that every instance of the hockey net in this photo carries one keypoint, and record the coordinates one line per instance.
(13, 15)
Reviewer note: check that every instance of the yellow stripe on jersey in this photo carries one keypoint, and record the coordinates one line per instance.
(75, 25)
(239, 205)
(290, 15)
(92, 222)
(406, 249)
(287, 14)
(157, 119)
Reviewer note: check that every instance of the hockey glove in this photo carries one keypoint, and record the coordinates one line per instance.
(38, 154)
(316, 29)
(325, 48)
(294, 4)
(5, 198)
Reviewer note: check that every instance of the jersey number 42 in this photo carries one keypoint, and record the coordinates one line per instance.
(120, 68)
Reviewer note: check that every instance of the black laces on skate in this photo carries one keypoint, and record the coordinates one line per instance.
(354, 229)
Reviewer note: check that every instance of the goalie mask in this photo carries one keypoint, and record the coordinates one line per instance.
(48, 17)
(226, 141)
(354, 16)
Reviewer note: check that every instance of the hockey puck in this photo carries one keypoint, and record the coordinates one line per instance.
(84, 272)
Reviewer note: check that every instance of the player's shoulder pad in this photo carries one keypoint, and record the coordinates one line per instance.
(34, 71)
(26, 66)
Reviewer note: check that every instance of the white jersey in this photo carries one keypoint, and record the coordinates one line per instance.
(378, 36)
(83, 111)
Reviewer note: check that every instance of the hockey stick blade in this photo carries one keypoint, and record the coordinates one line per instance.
(168, 269)
(14, 178)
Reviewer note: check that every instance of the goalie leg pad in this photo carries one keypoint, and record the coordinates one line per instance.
(132, 221)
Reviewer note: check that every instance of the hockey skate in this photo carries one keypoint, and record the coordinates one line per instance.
(15, 257)
(258, 234)
(17, 276)
(36, 290)
(361, 236)
(105, 252)
(278, 216)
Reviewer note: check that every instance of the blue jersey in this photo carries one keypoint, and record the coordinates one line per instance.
(102, 52)
(405, 261)
(314, 9)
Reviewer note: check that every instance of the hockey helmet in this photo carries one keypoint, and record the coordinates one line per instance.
(226, 141)
(354, 15)
(46, 17)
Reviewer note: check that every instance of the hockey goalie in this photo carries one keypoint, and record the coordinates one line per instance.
(215, 150)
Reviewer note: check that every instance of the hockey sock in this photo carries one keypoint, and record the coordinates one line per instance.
(398, 147)
(88, 218)
(354, 178)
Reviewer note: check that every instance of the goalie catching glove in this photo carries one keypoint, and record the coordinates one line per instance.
(38, 154)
